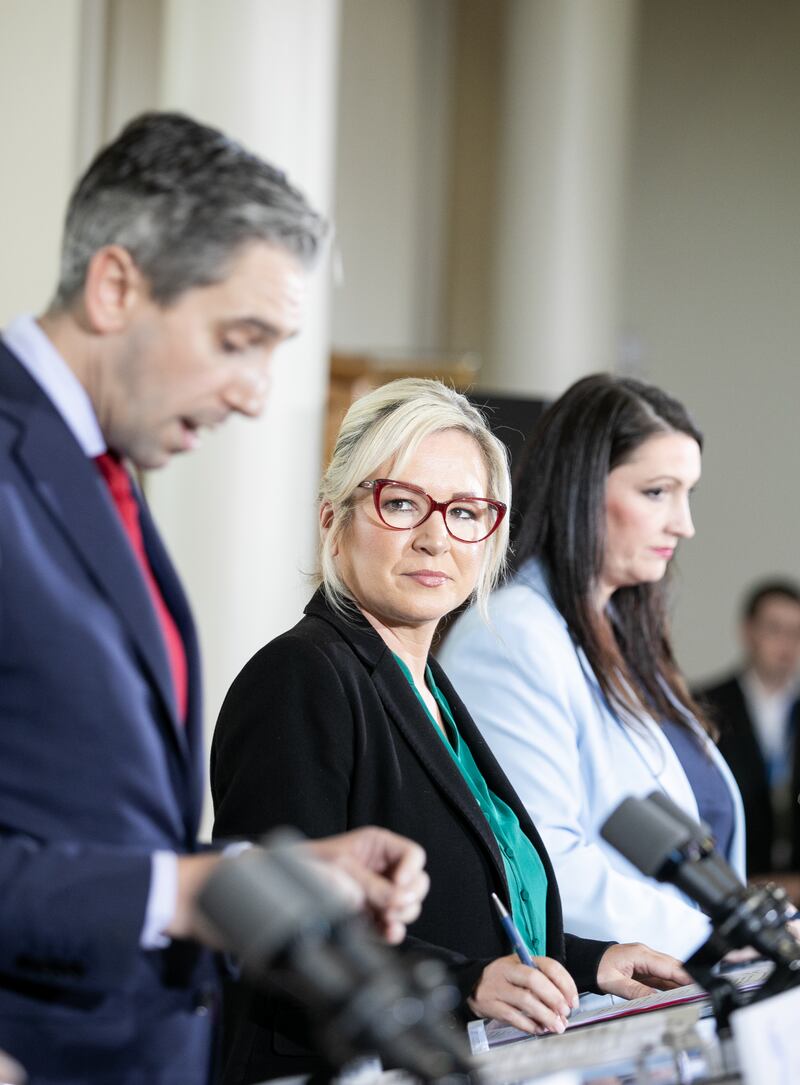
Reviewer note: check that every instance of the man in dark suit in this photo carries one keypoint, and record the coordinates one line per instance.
(183, 269)
(757, 711)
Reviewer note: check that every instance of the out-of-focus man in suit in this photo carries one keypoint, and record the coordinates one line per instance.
(757, 710)
(183, 269)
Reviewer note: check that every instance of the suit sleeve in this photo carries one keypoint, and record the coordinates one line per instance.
(282, 752)
(516, 681)
(70, 915)
(582, 959)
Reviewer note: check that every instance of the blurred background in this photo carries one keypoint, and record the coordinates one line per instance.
(523, 191)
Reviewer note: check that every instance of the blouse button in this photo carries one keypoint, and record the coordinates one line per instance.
(525, 895)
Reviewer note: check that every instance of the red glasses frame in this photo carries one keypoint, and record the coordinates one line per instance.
(377, 485)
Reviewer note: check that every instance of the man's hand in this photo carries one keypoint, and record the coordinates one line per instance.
(11, 1073)
(534, 1000)
(377, 870)
(373, 869)
(633, 970)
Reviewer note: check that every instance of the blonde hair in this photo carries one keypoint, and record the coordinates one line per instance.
(388, 424)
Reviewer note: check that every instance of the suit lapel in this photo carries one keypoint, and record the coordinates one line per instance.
(402, 706)
(75, 496)
(500, 785)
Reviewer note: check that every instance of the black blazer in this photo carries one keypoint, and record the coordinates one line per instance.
(738, 744)
(321, 730)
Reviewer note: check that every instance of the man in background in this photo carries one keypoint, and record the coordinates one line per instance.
(757, 710)
(183, 269)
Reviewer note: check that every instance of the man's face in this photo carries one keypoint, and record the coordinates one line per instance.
(187, 366)
(772, 640)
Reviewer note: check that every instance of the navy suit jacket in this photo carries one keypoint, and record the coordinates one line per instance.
(96, 772)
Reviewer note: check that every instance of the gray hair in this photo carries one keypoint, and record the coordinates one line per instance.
(181, 198)
(389, 424)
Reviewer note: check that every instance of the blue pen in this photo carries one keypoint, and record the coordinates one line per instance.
(514, 937)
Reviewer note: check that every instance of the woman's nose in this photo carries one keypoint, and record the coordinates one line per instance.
(432, 535)
(682, 524)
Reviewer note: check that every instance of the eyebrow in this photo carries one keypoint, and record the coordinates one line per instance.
(668, 478)
(461, 495)
(256, 324)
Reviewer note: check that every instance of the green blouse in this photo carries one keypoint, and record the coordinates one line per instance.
(526, 877)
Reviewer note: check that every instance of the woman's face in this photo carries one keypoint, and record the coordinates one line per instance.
(413, 578)
(647, 510)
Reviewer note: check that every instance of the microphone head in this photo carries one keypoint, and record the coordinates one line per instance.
(647, 834)
(295, 934)
(262, 900)
(675, 812)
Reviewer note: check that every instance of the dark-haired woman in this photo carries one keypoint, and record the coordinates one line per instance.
(574, 684)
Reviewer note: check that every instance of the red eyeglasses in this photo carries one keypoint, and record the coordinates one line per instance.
(401, 507)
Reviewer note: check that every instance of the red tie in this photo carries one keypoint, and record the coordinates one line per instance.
(119, 484)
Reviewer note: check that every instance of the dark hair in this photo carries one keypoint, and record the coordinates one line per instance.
(784, 589)
(181, 198)
(560, 518)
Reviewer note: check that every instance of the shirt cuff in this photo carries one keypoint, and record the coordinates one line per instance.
(162, 900)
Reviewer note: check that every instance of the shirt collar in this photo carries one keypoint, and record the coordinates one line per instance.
(757, 691)
(42, 361)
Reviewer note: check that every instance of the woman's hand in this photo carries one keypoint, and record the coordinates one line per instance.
(633, 970)
(534, 1000)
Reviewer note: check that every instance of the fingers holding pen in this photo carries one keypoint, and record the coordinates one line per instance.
(560, 978)
(534, 1000)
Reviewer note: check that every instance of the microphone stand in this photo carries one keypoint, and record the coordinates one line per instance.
(662, 841)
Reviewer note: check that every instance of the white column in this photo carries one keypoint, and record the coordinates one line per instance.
(560, 193)
(41, 60)
(239, 514)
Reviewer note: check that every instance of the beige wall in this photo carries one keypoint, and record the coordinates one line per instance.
(712, 303)
(391, 172)
(475, 139)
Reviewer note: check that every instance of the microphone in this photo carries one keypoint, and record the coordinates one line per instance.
(663, 842)
(294, 935)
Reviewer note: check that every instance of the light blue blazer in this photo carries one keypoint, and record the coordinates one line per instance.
(572, 761)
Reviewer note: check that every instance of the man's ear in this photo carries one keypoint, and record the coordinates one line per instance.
(113, 288)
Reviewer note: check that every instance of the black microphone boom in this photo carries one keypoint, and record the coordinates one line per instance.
(664, 843)
(293, 934)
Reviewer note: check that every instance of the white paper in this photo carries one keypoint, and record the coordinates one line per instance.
(484, 1035)
(767, 1038)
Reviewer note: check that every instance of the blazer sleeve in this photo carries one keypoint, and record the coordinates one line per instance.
(71, 915)
(283, 747)
(521, 680)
